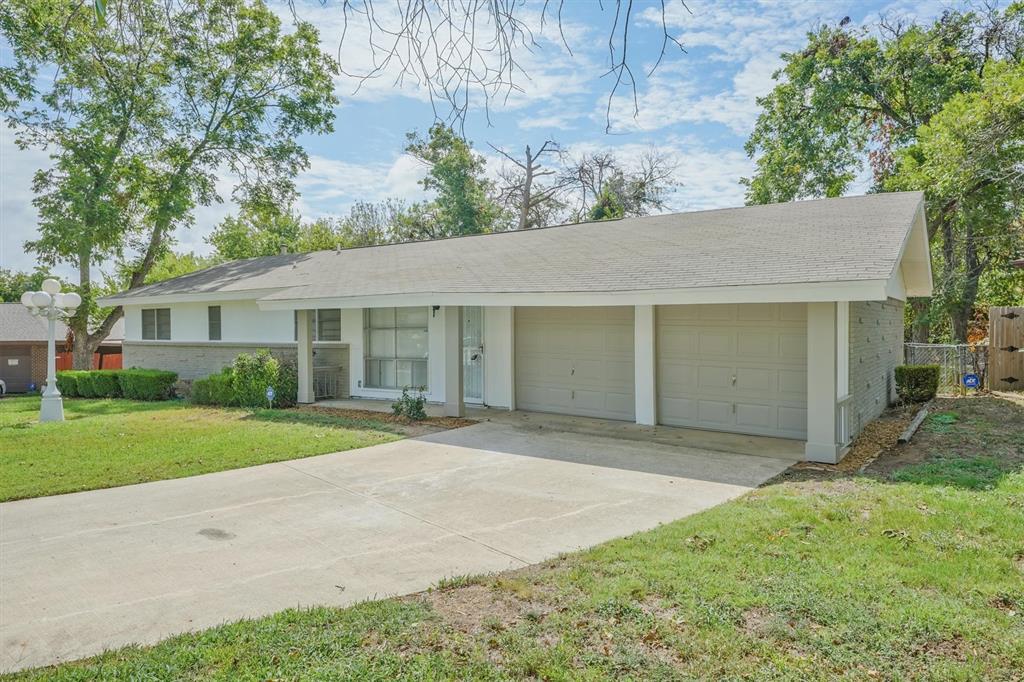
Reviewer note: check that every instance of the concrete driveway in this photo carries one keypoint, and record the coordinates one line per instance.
(88, 571)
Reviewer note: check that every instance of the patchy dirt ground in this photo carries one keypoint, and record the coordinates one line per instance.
(981, 425)
(403, 425)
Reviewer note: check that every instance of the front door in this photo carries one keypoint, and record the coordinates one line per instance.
(473, 354)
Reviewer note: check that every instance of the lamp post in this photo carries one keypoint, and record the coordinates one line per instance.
(53, 305)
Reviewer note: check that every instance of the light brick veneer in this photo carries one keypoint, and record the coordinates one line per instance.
(876, 347)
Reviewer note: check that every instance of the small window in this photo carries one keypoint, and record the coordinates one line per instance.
(213, 321)
(156, 324)
(328, 324)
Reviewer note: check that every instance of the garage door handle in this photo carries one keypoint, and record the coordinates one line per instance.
(572, 372)
(733, 379)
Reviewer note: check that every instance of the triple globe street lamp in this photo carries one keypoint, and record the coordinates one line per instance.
(52, 304)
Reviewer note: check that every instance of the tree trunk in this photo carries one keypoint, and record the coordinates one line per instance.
(920, 326)
(81, 353)
(524, 205)
(973, 267)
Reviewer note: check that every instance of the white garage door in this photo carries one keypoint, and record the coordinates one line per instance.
(575, 361)
(740, 368)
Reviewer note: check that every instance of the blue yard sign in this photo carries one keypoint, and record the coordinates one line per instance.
(270, 395)
(972, 380)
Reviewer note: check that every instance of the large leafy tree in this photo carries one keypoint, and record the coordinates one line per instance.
(862, 96)
(455, 174)
(145, 110)
(13, 283)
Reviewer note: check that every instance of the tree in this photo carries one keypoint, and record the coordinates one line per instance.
(145, 111)
(853, 98)
(14, 283)
(456, 175)
(607, 207)
(257, 230)
(636, 192)
(534, 204)
(969, 158)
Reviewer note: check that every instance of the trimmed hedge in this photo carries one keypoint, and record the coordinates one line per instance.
(214, 390)
(917, 383)
(147, 384)
(136, 384)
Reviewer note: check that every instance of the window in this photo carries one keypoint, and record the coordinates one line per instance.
(396, 347)
(156, 323)
(213, 322)
(326, 324)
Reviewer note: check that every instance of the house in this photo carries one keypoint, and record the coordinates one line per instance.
(23, 338)
(782, 320)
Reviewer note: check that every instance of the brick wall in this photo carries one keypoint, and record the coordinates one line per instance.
(39, 365)
(197, 360)
(876, 347)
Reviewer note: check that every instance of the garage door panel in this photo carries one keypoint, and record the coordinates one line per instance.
(715, 412)
(793, 347)
(757, 416)
(793, 420)
(793, 384)
(575, 361)
(717, 343)
(758, 381)
(714, 377)
(764, 346)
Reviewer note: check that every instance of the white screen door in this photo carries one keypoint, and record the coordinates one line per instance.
(473, 353)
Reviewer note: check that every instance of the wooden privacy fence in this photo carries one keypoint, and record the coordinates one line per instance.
(1005, 340)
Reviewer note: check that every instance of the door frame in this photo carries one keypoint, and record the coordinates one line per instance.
(483, 354)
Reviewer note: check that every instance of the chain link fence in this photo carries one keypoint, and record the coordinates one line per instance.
(954, 359)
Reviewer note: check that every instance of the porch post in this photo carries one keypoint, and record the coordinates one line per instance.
(645, 383)
(454, 406)
(823, 368)
(305, 356)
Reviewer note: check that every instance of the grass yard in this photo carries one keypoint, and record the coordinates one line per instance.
(914, 569)
(107, 443)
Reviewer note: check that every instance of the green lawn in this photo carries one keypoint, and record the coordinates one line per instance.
(106, 443)
(916, 572)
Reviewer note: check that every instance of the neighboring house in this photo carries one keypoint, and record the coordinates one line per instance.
(782, 320)
(23, 348)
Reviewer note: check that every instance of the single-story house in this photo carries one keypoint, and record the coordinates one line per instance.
(782, 320)
(23, 338)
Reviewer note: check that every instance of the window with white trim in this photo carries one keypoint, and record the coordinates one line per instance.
(156, 324)
(396, 347)
(326, 324)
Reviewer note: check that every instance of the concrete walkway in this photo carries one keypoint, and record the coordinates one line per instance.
(88, 571)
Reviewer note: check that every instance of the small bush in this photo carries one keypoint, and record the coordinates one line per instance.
(251, 375)
(917, 383)
(411, 406)
(215, 389)
(287, 386)
(146, 384)
(105, 383)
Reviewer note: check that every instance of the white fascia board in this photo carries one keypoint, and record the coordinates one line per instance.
(869, 290)
(211, 296)
(914, 265)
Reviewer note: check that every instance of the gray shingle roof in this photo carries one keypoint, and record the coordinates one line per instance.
(19, 325)
(824, 240)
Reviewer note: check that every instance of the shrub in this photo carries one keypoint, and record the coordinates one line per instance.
(105, 383)
(215, 389)
(146, 384)
(411, 406)
(917, 383)
(251, 375)
(67, 383)
(84, 384)
(287, 387)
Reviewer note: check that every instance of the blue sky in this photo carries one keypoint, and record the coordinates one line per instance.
(699, 107)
